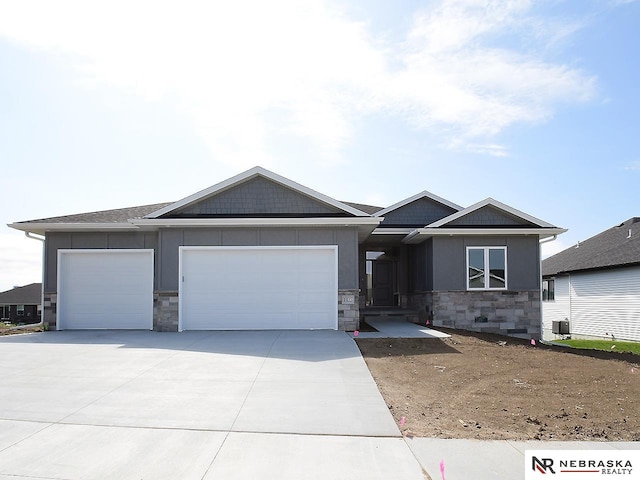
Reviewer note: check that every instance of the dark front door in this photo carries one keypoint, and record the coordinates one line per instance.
(382, 282)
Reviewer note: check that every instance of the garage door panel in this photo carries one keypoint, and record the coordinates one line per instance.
(259, 287)
(105, 289)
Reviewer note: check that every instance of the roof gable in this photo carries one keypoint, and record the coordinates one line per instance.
(616, 247)
(256, 193)
(419, 212)
(490, 213)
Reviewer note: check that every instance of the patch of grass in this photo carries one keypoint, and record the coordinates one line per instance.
(608, 345)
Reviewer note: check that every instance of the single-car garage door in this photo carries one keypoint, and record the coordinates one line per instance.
(257, 288)
(110, 289)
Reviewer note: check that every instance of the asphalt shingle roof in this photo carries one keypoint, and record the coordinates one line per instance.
(612, 248)
(27, 295)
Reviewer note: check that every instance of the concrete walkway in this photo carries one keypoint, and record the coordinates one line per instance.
(389, 327)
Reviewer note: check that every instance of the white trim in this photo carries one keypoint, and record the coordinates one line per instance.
(392, 231)
(487, 267)
(184, 248)
(417, 196)
(249, 174)
(64, 251)
(420, 234)
(494, 203)
(253, 222)
(41, 228)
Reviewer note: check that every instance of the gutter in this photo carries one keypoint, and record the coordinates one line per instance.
(41, 322)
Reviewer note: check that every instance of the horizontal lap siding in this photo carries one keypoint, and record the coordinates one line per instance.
(560, 308)
(606, 302)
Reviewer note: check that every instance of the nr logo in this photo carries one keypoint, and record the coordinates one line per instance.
(542, 465)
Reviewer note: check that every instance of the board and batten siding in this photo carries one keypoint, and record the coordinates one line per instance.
(598, 304)
(558, 309)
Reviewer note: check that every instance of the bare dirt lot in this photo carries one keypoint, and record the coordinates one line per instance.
(492, 387)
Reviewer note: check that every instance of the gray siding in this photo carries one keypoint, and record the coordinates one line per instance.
(419, 213)
(171, 239)
(258, 197)
(488, 216)
(56, 241)
(449, 261)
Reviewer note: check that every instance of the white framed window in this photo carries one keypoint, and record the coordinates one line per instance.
(20, 310)
(486, 268)
(548, 290)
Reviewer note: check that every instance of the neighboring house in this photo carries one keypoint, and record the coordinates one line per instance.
(259, 251)
(21, 304)
(595, 286)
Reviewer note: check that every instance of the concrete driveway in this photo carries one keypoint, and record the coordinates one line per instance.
(201, 405)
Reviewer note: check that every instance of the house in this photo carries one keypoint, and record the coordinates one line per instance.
(595, 286)
(21, 304)
(260, 251)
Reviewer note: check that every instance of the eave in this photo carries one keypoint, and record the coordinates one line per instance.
(421, 234)
(40, 228)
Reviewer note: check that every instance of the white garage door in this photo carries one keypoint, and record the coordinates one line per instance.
(257, 288)
(105, 289)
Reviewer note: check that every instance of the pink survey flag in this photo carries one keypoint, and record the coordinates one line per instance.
(442, 469)
(402, 421)
(356, 333)
(533, 342)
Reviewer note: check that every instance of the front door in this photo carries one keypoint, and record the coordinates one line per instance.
(382, 283)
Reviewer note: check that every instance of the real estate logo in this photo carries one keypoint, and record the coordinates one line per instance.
(582, 464)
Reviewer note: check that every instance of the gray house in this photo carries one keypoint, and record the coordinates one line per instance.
(259, 251)
(595, 286)
(21, 304)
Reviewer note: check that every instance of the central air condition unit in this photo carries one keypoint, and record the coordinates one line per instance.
(560, 327)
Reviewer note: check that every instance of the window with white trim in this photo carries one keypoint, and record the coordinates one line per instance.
(20, 310)
(486, 268)
(548, 290)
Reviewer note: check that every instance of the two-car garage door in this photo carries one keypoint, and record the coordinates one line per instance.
(220, 288)
(236, 288)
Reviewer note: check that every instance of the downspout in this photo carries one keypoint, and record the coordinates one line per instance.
(41, 322)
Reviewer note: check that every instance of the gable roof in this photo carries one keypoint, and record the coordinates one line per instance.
(26, 295)
(249, 175)
(508, 221)
(417, 196)
(490, 202)
(618, 246)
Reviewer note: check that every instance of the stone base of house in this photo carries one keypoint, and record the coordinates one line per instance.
(512, 313)
(165, 311)
(50, 311)
(348, 310)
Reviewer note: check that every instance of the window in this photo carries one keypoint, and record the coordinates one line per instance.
(548, 290)
(486, 268)
(20, 310)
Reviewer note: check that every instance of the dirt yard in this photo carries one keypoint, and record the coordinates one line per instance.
(493, 387)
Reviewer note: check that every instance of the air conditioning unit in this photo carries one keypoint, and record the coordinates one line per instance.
(560, 327)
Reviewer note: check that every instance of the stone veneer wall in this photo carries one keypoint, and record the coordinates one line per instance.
(348, 310)
(512, 313)
(165, 311)
(50, 311)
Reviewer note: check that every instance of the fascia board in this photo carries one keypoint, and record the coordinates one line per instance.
(253, 222)
(415, 197)
(41, 228)
(254, 172)
(494, 203)
(392, 231)
(420, 234)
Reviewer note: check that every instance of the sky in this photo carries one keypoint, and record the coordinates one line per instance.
(114, 104)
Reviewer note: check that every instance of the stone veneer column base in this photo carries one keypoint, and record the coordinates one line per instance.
(165, 311)
(512, 313)
(348, 310)
(50, 311)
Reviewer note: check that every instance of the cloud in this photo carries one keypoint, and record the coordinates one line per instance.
(633, 166)
(549, 249)
(249, 71)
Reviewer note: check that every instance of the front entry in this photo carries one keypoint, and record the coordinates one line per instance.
(382, 280)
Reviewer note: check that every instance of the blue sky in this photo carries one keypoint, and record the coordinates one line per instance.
(122, 103)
